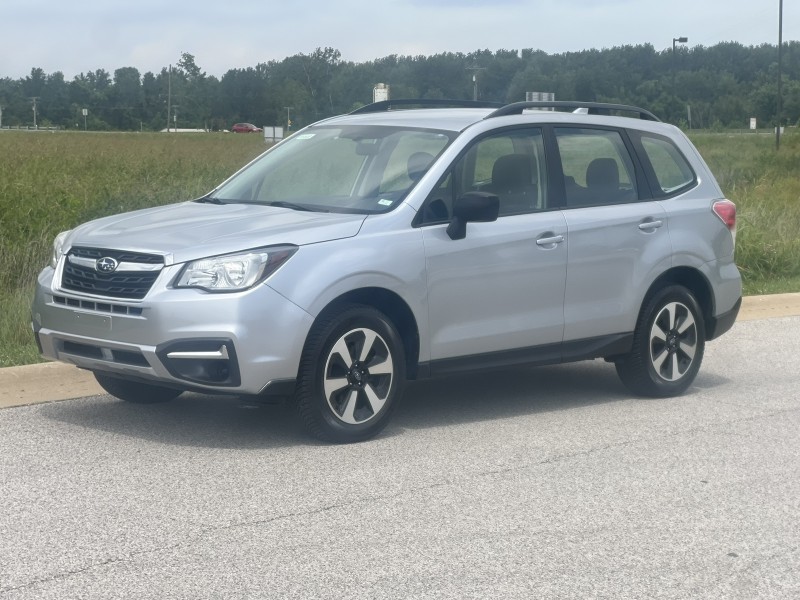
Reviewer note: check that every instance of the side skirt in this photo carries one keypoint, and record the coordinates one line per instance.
(607, 346)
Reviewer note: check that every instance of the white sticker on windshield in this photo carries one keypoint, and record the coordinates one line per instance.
(306, 136)
(384, 202)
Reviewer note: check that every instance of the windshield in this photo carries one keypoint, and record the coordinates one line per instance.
(359, 169)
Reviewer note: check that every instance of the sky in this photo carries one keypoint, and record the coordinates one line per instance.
(84, 35)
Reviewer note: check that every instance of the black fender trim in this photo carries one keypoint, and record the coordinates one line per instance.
(722, 323)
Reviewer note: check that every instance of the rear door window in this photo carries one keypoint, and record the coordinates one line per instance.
(597, 167)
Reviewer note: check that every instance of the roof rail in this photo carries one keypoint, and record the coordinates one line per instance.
(593, 108)
(386, 105)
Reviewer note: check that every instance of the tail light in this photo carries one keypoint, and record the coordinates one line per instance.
(726, 211)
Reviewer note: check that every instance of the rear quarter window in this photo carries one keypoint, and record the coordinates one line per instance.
(671, 169)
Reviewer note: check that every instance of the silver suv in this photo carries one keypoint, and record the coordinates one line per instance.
(386, 245)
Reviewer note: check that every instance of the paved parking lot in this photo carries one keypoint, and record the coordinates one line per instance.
(530, 483)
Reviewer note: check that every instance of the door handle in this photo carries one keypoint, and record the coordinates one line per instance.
(550, 241)
(650, 225)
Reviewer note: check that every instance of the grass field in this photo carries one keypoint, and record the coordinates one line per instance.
(50, 182)
(765, 185)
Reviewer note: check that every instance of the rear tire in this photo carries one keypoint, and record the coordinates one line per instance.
(668, 345)
(352, 373)
(134, 391)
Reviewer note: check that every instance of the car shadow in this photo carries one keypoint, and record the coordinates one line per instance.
(508, 393)
(521, 391)
(194, 420)
(222, 422)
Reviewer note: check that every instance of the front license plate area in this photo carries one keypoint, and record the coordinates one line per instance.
(94, 322)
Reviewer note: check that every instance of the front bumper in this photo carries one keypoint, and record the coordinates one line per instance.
(238, 343)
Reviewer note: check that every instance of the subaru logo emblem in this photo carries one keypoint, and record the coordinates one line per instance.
(106, 264)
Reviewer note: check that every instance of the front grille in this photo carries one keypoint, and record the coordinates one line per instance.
(130, 280)
(120, 255)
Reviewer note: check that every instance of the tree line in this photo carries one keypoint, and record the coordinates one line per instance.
(720, 86)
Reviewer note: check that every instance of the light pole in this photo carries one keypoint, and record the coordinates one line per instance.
(780, 56)
(680, 40)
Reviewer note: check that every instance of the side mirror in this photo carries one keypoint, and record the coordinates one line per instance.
(476, 207)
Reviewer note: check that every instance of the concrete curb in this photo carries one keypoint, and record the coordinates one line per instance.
(52, 381)
(45, 382)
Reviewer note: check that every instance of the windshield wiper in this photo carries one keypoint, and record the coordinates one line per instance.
(209, 200)
(293, 206)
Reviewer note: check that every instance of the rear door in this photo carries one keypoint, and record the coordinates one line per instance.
(618, 237)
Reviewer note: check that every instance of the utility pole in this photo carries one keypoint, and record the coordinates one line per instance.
(288, 118)
(169, 96)
(475, 68)
(34, 99)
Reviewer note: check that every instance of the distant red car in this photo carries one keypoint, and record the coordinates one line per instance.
(245, 128)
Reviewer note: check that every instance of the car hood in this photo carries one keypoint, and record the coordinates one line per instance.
(192, 230)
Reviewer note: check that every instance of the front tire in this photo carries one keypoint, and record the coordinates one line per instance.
(134, 391)
(351, 375)
(668, 345)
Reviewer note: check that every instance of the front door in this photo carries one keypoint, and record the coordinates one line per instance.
(501, 288)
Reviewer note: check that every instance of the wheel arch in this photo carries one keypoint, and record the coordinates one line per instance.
(695, 282)
(396, 310)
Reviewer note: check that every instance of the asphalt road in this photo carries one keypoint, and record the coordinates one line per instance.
(534, 483)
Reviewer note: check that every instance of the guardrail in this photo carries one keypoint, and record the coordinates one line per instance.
(29, 128)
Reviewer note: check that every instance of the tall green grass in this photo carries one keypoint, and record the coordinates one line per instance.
(50, 182)
(765, 186)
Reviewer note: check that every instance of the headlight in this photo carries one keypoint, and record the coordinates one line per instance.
(58, 247)
(233, 272)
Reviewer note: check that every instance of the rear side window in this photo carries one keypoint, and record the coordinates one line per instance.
(670, 167)
(597, 167)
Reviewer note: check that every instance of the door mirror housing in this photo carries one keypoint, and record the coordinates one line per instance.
(476, 207)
